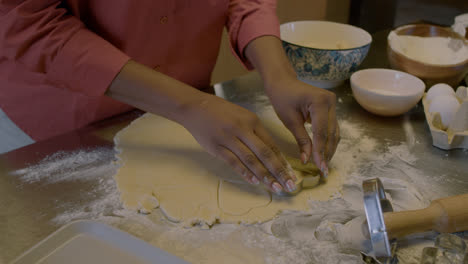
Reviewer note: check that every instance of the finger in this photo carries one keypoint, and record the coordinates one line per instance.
(331, 137)
(263, 134)
(296, 126)
(250, 160)
(232, 160)
(270, 160)
(319, 118)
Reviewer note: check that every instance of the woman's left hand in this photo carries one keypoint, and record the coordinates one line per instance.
(296, 103)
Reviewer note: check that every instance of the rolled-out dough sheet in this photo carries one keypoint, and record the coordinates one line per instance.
(163, 166)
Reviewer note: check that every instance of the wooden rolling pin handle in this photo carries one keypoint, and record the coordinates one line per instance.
(444, 215)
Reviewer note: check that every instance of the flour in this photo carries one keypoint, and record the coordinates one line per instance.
(409, 132)
(330, 45)
(69, 166)
(81, 165)
(108, 205)
(320, 235)
(431, 50)
(349, 130)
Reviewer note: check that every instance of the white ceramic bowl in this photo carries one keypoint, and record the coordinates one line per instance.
(386, 92)
(324, 53)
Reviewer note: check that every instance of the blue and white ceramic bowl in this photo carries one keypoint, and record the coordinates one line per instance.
(323, 53)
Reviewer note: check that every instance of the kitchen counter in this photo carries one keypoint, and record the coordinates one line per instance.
(27, 208)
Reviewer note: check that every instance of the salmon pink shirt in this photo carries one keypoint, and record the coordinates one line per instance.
(57, 58)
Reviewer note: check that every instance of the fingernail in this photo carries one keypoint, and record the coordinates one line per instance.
(324, 169)
(304, 158)
(276, 187)
(291, 186)
(255, 180)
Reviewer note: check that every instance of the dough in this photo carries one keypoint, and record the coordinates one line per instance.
(307, 174)
(163, 166)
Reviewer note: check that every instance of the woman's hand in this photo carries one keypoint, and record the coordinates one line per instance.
(225, 130)
(295, 103)
(236, 135)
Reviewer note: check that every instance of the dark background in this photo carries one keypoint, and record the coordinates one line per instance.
(375, 15)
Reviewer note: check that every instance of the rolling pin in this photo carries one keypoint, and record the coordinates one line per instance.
(446, 215)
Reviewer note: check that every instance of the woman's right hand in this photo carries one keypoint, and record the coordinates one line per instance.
(225, 130)
(236, 135)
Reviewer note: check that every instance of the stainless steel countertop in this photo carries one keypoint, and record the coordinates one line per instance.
(26, 210)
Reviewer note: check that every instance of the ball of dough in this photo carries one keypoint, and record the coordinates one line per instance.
(446, 106)
(439, 90)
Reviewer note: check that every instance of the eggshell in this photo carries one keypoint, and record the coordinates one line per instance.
(446, 106)
(439, 90)
(462, 93)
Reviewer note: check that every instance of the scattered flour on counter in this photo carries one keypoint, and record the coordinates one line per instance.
(349, 130)
(409, 132)
(108, 205)
(70, 166)
(320, 235)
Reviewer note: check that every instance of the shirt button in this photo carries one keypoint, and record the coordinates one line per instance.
(163, 20)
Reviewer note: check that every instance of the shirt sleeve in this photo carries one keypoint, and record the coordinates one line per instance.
(43, 37)
(248, 20)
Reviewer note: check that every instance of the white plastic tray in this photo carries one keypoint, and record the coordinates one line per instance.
(91, 242)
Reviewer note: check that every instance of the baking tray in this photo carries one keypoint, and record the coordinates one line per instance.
(92, 242)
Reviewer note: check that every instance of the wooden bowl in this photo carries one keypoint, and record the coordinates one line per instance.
(430, 73)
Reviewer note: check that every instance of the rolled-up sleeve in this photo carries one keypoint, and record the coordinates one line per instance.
(45, 38)
(248, 20)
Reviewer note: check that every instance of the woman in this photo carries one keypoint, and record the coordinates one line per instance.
(65, 64)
